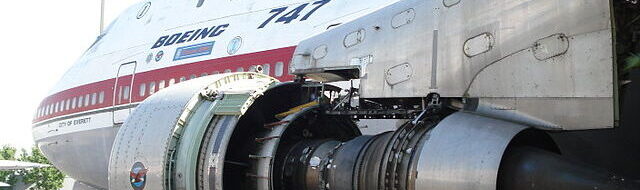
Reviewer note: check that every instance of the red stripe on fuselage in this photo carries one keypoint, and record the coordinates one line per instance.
(245, 61)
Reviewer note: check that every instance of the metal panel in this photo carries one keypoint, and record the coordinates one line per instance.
(463, 152)
(449, 3)
(399, 73)
(231, 104)
(354, 38)
(403, 18)
(545, 54)
(551, 46)
(478, 45)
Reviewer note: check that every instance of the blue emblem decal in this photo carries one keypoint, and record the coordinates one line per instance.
(159, 56)
(138, 176)
(194, 51)
(234, 45)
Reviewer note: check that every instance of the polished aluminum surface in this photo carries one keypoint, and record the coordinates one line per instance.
(540, 58)
(463, 152)
(152, 134)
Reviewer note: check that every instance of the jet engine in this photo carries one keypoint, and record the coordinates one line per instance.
(248, 131)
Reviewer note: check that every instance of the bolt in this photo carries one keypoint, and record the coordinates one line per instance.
(315, 161)
(408, 151)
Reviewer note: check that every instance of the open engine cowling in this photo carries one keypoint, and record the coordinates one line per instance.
(247, 131)
(166, 139)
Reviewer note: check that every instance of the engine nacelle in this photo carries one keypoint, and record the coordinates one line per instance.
(247, 131)
(180, 130)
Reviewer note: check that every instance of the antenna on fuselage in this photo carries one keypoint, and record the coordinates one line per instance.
(101, 16)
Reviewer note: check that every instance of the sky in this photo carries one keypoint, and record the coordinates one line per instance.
(40, 40)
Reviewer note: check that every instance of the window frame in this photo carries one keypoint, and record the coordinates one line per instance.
(279, 69)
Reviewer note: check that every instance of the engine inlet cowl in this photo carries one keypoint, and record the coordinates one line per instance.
(160, 145)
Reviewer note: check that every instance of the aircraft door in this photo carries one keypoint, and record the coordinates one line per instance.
(122, 94)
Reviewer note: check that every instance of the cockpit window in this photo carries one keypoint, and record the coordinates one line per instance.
(200, 2)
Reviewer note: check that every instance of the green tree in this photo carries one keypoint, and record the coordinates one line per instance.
(48, 178)
(633, 62)
(7, 153)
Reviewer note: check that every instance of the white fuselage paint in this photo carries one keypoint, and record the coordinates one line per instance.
(70, 134)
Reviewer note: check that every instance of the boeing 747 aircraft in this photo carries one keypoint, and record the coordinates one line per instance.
(238, 94)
